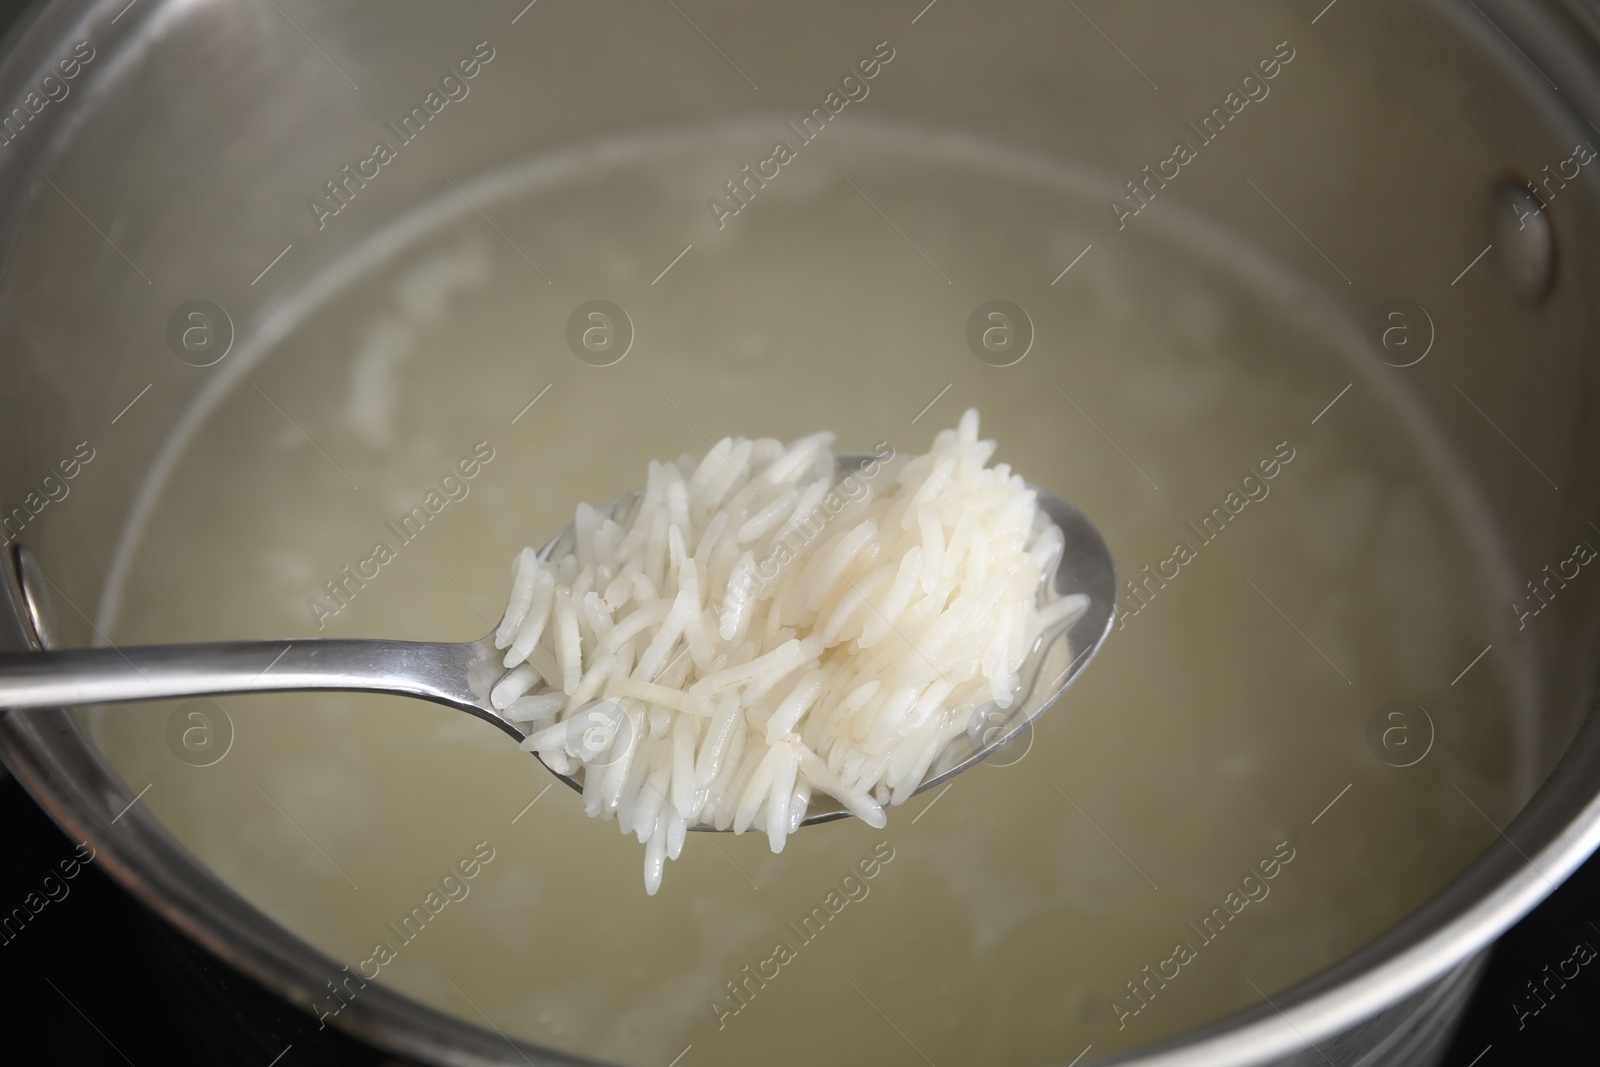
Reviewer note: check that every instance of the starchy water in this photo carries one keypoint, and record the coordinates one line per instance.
(1201, 817)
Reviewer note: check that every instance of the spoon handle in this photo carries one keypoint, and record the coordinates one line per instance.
(431, 670)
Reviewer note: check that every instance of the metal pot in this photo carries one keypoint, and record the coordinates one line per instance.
(161, 148)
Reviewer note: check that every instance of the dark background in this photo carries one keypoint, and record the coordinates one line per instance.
(77, 988)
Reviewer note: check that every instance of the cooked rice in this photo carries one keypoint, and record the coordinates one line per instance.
(752, 629)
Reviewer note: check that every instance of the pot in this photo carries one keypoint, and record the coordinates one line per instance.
(178, 177)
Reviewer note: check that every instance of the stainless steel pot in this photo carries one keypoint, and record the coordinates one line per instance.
(163, 148)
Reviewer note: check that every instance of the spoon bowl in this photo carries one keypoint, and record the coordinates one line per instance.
(463, 674)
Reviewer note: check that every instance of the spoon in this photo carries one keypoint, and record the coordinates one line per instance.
(460, 675)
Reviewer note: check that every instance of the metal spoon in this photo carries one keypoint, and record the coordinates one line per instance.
(461, 674)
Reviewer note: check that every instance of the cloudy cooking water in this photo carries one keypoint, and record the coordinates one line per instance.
(1008, 920)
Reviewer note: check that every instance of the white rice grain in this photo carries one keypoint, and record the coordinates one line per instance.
(765, 636)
